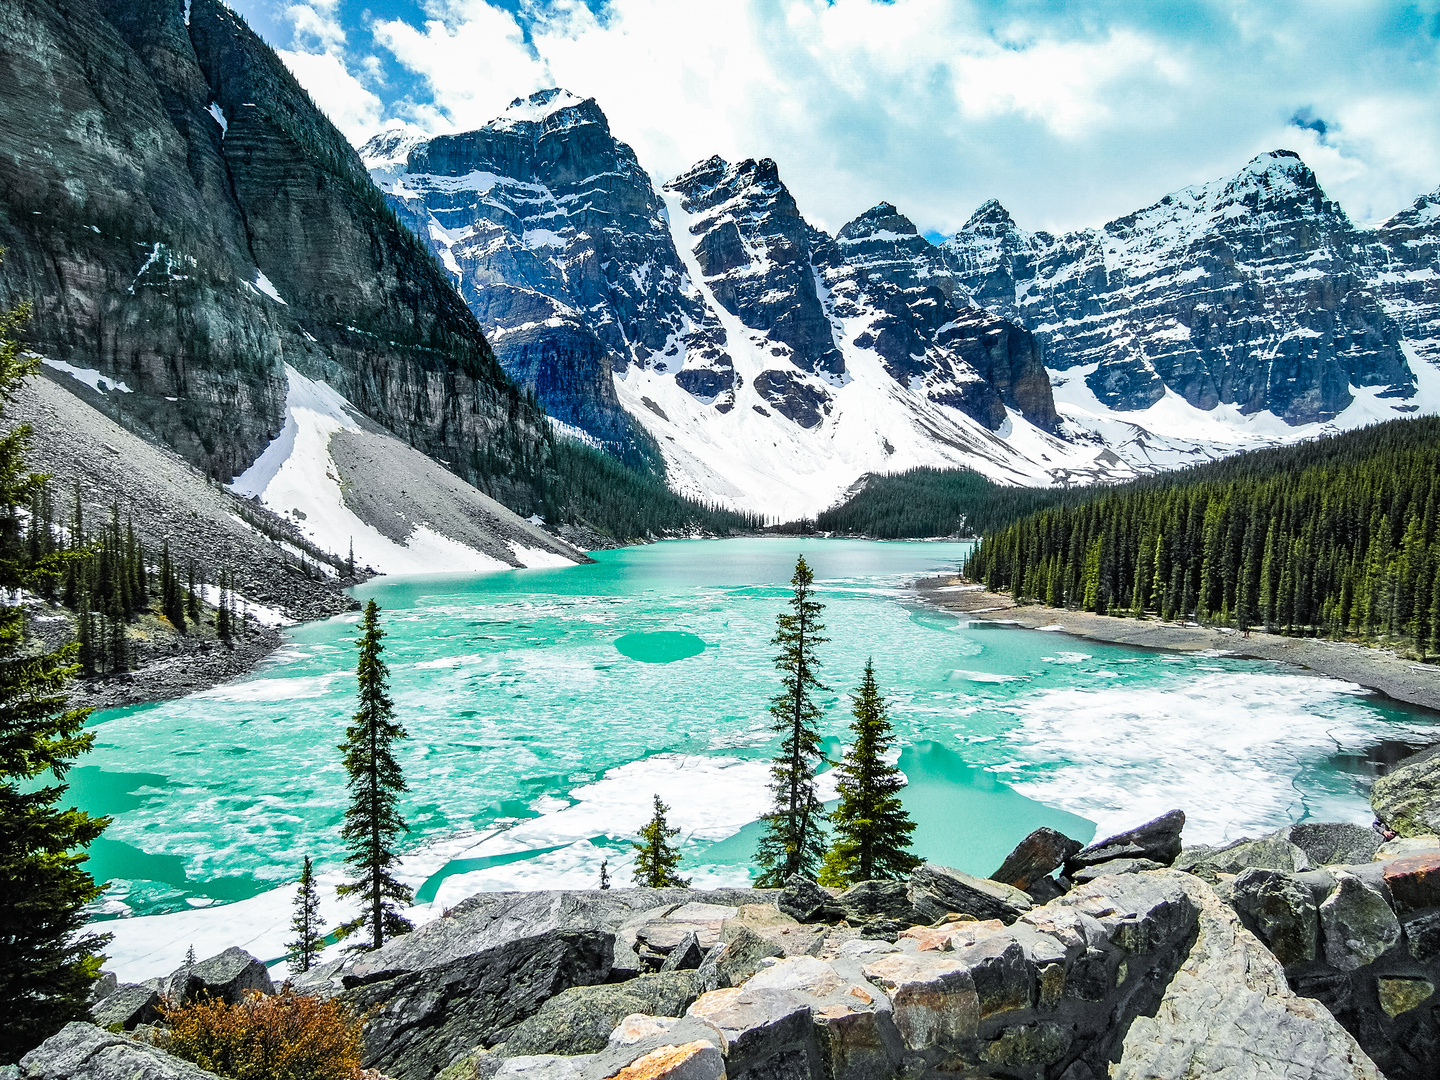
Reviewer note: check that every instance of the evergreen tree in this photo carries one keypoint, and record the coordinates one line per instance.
(655, 857)
(350, 561)
(190, 956)
(373, 822)
(872, 829)
(222, 609)
(192, 599)
(47, 960)
(794, 842)
(306, 924)
(605, 873)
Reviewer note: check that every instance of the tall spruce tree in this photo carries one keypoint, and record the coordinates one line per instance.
(373, 823)
(872, 829)
(306, 924)
(794, 841)
(47, 961)
(656, 859)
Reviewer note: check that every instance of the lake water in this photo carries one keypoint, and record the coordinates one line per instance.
(546, 707)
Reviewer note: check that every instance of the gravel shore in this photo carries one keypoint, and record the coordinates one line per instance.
(1376, 669)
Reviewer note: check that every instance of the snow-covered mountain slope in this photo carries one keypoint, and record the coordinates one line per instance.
(1253, 292)
(348, 485)
(771, 365)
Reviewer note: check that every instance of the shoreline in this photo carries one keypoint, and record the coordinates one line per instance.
(1406, 681)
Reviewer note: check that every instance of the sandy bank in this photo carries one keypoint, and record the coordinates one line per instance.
(1376, 669)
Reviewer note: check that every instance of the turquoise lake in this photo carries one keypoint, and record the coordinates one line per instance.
(546, 707)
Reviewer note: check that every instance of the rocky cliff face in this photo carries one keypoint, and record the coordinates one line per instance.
(712, 319)
(186, 222)
(897, 296)
(1253, 292)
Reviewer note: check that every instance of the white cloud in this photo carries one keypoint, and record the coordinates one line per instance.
(1068, 115)
(352, 108)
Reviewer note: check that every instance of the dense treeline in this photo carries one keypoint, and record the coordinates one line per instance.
(586, 486)
(109, 581)
(1335, 538)
(937, 502)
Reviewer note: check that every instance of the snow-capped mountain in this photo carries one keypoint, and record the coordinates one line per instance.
(1251, 292)
(773, 364)
(770, 364)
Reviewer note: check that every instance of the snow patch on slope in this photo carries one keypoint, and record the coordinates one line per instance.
(89, 376)
(296, 476)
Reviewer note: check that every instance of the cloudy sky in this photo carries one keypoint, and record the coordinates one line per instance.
(1070, 114)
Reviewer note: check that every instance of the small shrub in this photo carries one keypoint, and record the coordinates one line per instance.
(286, 1036)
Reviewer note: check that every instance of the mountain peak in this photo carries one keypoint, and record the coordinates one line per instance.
(541, 106)
(881, 218)
(989, 217)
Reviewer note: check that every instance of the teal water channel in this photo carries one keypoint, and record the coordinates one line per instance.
(546, 707)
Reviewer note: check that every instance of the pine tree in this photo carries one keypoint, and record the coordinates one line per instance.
(190, 956)
(872, 829)
(192, 599)
(222, 609)
(306, 924)
(350, 561)
(655, 857)
(373, 822)
(47, 960)
(605, 873)
(794, 842)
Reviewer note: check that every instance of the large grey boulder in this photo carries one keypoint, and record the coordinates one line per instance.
(738, 956)
(228, 976)
(878, 908)
(1359, 925)
(936, 891)
(1158, 841)
(1329, 843)
(1281, 911)
(1228, 1013)
(421, 1021)
(581, 1019)
(806, 902)
(1407, 798)
(82, 1051)
(127, 1007)
(1038, 855)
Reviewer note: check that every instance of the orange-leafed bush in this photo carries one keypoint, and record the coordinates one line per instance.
(285, 1036)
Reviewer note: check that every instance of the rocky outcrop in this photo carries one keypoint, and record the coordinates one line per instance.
(127, 1007)
(1254, 291)
(191, 221)
(1363, 939)
(1407, 798)
(1139, 974)
(1229, 1013)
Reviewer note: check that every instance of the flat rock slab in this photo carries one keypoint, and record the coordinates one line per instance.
(1229, 1014)
(937, 891)
(82, 1051)
(1157, 840)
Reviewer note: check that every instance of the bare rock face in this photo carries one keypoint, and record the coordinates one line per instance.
(1229, 1013)
(897, 294)
(227, 976)
(1254, 291)
(1038, 855)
